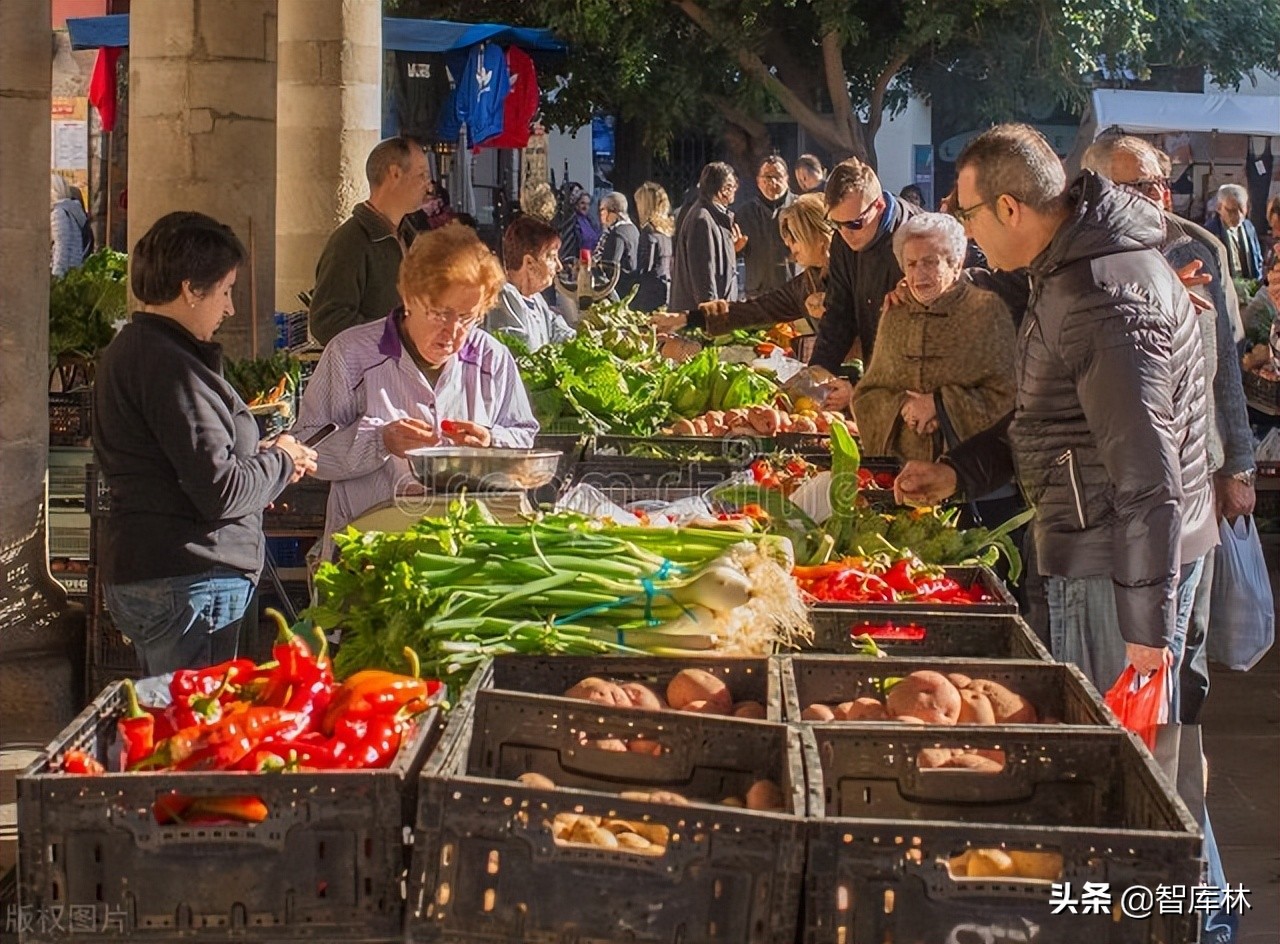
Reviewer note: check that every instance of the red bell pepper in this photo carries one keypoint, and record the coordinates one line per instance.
(136, 730)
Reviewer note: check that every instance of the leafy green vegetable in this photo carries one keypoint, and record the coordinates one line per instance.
(85, 304)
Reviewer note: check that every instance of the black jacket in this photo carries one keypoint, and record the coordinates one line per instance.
(1108, 432)
(704, 265)
(179, 450)
(856, 287)
(765, 256)
(620, 245)
(654, 258)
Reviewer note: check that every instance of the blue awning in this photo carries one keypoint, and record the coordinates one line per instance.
(398, 33)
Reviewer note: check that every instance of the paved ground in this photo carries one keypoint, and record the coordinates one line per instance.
(1242, 741)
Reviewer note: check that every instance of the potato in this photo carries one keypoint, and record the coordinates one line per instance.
(642, 745)
(599, 691)
(931, 758)
(603, 838)
(967, 760)
(682, 428)
(656, 833)
(862, 709)
(975, 708)
(959, 680)
(733, 801)
(562, 825)
(642, 696)
(803, 424)
(926, 695)
(764, 795)
(609, 744)
(538, 781)
(989, 863)
(667, 796)
(763, 419)
(690, 685)
(701, 707)
(583, 830)
(817, 713)
(907, 719)
(1045, 866)
(959, 864)
(1009, 707)
(633, 841)
(750, 709)
(635, 796)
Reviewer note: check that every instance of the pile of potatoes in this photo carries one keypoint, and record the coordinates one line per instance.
(928, 697)
(635, 836)
(690, 690)
(1010, 863)
(757, 421)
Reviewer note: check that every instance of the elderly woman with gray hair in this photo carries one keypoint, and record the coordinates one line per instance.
(942, 369)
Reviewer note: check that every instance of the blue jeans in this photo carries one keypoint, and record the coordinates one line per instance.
(1193, 681)
(181, 622)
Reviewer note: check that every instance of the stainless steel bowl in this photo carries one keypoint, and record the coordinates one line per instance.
(452, 468)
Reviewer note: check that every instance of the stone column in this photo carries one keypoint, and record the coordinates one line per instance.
(202, 135)
(39, 686)
(328, 99)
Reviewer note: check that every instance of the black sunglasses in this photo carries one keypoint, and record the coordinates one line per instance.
(858, 222)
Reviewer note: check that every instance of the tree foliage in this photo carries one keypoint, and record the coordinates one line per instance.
(840, 67)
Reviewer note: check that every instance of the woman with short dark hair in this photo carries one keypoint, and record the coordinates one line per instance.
(181, 455)
(531, 253)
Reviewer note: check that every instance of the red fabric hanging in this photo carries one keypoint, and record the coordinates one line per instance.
(102, 86)
(521, 103)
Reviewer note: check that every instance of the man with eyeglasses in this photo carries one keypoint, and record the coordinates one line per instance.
(765, 255)
(863, 268)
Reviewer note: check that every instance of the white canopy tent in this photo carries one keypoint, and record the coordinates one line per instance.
(1139, 112)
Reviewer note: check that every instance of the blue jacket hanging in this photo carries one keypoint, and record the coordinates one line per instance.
(478, 97)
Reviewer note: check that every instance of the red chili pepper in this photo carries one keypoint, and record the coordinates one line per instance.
(189, 682)
(884, 480)
(909, 632)
(225, 743)
(449, 427)
(294, 663)
(137, 729)
(203, 708)
(898, 576)
(367, 742)
(176, 808)
(375, 692)
(78, 762)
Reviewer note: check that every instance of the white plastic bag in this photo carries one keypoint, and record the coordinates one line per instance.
(1242, 616)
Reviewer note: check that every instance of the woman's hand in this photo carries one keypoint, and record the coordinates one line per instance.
(816, 304)
(920, 413)
(838, 392)
(304, 457)
(668, 322)
(399, 436)
(464, 433)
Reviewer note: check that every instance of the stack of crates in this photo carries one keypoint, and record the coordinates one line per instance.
(109, 656)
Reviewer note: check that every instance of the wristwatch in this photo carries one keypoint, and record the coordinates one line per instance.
(1247, 476)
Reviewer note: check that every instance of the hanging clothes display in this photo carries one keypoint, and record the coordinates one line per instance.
(479, 96)
(421, 91)
(521, 104)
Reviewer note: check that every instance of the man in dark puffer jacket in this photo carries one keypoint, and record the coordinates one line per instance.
(1108, 435)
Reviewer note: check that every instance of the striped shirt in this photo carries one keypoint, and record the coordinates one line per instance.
(366, 379)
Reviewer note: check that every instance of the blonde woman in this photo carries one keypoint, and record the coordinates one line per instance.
(653, 216)
(807, 233)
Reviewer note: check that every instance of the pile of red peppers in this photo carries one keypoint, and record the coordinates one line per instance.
(289, 714)
(883, 580)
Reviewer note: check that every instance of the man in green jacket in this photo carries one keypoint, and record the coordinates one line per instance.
(356, 274)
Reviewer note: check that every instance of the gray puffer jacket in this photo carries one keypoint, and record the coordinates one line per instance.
(1108, 432)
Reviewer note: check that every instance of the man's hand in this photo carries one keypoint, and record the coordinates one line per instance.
(465, 433)
(739, 238)
(1146, 659)
(920, 412)
(668, 322)
(837, 393)
(924, 483)
(896, 296)
(399, 436)
(815, 305)
(1190, 277)
(304, 457)
(1234, 498)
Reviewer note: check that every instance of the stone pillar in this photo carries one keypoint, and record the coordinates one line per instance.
(328, 99)
(202, 135)
(39, 687)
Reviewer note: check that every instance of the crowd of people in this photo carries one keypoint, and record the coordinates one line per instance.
(1090, 368)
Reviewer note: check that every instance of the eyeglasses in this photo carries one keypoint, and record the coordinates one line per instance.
(1152, 187)
(965, 214)
(857, 222)
(452, 318)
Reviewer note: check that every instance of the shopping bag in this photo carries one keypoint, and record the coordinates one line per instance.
(1242, 615)
(1141, 703)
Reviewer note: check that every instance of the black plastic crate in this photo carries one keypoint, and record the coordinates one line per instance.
(109, 656)
(70, 417)
(1059, 691)
(487, 867)
(1260, 389)
(885, 832)
(736, 452)
(1001, 600)
(748, 679)
(300, 507)
(328, 863)
(954, 634)
(633, 472)
(636, 499)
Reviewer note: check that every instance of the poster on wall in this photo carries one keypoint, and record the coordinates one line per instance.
(70, 140)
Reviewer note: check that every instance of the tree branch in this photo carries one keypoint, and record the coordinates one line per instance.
(875, 106)
(749, 123)
(838, 88)
(810, 120)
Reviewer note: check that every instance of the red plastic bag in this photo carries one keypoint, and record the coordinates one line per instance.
(1141, 703)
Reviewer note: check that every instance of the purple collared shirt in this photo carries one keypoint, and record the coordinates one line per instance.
(366, 379)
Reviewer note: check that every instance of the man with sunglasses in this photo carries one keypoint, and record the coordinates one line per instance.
(863, 268)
